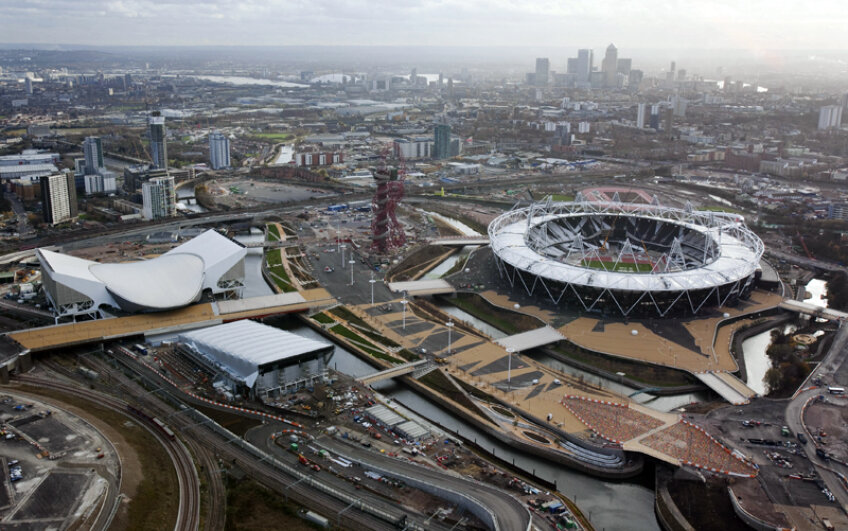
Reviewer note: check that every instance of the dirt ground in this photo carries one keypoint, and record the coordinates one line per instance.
(834, 420)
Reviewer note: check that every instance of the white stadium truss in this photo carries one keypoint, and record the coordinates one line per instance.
(628, 258)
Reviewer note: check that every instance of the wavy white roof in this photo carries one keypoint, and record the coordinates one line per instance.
(169, 281)
(172, 280)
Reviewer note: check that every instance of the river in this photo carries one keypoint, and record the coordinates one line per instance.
(754, 348)
(286, 154)
(612, 505)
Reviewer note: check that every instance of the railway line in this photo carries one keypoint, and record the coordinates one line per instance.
(188, 514)
(217, 447)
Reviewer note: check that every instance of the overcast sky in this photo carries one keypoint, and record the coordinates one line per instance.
(630, 24)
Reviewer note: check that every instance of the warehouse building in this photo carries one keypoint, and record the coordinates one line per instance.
(257, 360)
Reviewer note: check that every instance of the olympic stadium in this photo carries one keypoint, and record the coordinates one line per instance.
(627, 259)
(210, 263)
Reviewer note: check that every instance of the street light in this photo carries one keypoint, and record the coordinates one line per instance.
(372, 282)
(509, 352)
(449, 324)
(351, 262)
(342, 248)
(404, 302)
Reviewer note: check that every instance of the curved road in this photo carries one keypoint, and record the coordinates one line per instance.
(510, 513)
(829, 366)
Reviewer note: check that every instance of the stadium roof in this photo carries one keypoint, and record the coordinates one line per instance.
(240, 348)
(739, 256)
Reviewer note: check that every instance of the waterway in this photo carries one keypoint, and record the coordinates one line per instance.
(286, 154)
(754, 348)
(610, 505)
(239, 80)
(254, 283)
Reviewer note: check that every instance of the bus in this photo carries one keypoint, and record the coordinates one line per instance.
(836, 390)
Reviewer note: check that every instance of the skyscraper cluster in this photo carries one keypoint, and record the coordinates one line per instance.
(580, 71)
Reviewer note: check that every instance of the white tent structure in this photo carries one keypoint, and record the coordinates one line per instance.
(210, 262)
(261, 358)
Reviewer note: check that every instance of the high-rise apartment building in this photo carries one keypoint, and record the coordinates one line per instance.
(159, 198)
(640, 115)
(442, 141)
(609, 66)
(158, 146)
(584, 64)
(58, 198)
(543, 69)
(830, 117)
(219, 151)
(93, 149)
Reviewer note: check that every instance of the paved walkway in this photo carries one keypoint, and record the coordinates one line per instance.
(533, 388)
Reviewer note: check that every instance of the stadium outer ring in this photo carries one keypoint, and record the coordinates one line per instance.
(726, 279)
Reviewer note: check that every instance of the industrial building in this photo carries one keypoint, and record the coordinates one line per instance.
(256, 359)
(210, 263)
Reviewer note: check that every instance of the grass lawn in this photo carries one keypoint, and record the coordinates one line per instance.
(273, 233)
(620, 267)
(562, 197)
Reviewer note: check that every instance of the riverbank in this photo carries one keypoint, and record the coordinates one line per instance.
(633, 464)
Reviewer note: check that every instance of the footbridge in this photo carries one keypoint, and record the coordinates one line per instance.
(270, 244)
(420, 366)
(813, 309)
(190, 317)
(422, 287)
(532, 339)
(460, 241)
(727, 386)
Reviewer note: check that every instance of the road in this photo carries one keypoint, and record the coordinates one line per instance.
(833, 363)
(510, 512)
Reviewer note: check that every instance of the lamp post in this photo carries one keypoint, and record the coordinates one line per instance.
(404, 302)
(509, 352)
(351, 262)
(372, 282)
(342, 248)
(449, 324)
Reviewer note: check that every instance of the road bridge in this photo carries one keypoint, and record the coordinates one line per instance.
(394, 372)
(190, 317)
(813, 309)
(422, 287)
(532, 339)
(727, 386)
(460, 241)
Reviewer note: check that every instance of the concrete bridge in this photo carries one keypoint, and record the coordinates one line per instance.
(460, 241)
(270, 244)
(814, 310)
(532, 339)
(419, 367)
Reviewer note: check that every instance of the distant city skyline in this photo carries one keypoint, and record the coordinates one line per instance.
(719, 24)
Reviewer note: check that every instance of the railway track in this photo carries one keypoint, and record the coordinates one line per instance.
(268, 477)
(188, 514)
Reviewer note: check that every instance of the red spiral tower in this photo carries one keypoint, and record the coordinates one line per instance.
(386, 231)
